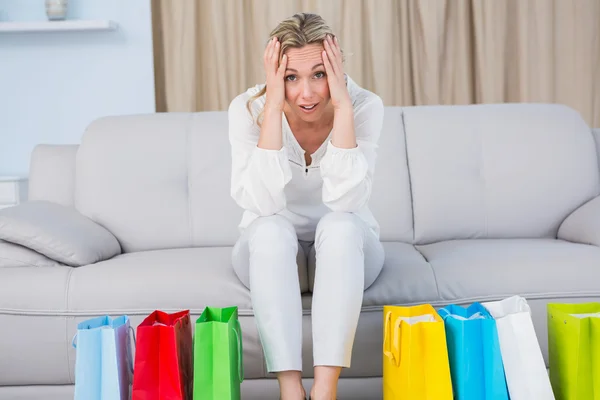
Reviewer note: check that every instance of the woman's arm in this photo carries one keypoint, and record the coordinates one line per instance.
(260, 167)
(348, 165)
(270, 132)
(258, 174)
(343, 135)
(348, 172)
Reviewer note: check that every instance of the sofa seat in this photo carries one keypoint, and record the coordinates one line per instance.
(173, 279)
(488, 269)
(465, 271)
(40, 307)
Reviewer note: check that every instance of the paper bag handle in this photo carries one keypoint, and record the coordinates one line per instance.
(391, 346)
(129, 350)
(240, 351)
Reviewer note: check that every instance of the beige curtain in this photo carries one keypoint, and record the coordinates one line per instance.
(410, 52)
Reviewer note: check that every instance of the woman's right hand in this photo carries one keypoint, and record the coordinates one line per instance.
(275, 72)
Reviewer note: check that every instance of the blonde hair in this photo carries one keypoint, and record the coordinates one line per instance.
(296, 31)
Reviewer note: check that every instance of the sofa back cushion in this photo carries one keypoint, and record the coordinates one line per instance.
(390, 201)
(494, 171)
(158, 181)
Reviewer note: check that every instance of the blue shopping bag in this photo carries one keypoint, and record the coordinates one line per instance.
(103, 362)
(476, 365)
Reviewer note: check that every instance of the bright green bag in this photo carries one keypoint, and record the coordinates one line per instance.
(574, 350)
(218, 355)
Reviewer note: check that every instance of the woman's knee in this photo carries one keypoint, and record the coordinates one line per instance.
(339, 226)
(274, 231)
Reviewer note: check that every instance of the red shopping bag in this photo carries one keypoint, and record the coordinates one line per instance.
(163, 368)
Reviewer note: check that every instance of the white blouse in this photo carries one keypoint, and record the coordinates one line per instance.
(268, 182)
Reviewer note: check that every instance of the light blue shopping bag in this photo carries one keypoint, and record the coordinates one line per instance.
(474, 353)
(103, 362)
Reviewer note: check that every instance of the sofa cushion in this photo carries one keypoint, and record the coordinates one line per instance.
(58, 232)
(166, 184)
(391, 201)
(14, 255)
(481, 270)
(497, 170)
(171, 279)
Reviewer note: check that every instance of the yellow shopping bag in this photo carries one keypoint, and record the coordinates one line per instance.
(415, 362)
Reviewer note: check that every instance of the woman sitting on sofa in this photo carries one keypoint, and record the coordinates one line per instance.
(303, 149)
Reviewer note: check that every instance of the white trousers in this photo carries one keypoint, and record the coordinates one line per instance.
(349, 257)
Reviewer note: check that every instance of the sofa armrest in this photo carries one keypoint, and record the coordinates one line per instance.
(59, 232)
(583, 224)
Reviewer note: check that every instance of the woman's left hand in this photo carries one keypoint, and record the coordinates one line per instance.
(332, 59)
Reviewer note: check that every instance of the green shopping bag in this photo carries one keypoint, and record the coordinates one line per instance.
(574, 350)
(218, 355)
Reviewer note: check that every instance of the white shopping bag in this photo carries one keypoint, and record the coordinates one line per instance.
(524, 366)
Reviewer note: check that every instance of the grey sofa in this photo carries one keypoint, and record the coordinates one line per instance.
(476, 203)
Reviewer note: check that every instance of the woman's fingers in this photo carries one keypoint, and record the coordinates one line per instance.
(338, 50)
(269, 50)
(331, 56)
(326, 61)
(282, 66)
(275, 54)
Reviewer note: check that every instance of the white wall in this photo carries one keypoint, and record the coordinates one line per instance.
(52, 85)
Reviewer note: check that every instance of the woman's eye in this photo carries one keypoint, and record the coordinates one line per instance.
(319, 75)
(290, 78)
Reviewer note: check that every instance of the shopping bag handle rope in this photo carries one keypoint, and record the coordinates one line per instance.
(387, 348)
(240, 352)
(397, 340)
(391, 345)
(129, 349)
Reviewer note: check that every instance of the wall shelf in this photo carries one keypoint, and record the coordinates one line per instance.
(58, 26)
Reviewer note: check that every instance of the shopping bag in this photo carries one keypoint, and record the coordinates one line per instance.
(415, 362)
(103, 361)
(474, 353)
(524, 366)
(218, 355)
(574, 350)
(163, 358)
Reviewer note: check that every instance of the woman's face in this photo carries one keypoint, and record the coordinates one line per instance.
(306, 87)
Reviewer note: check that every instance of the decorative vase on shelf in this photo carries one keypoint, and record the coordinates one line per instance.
(56, 10)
